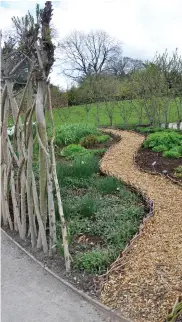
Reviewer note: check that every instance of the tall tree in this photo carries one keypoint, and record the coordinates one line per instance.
(84, 54)
(124, 66)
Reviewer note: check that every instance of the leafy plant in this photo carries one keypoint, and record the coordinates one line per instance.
(89, 141)
(160, 148)
(175, 152)
(170, 143)
(72, 133)
(73, 150)
(95, 261)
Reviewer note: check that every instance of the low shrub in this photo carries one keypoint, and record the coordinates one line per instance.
(175, 152)
(145, 130)
(160, 148)
(89, 141)
(95, 261)
(73, 150)
(170, 143)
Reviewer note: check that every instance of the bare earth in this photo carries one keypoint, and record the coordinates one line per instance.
(30, 294)
(151, 279)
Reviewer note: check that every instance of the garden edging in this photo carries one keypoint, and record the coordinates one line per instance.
(106, 310)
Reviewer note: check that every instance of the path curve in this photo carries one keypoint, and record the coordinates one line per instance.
(152, 277)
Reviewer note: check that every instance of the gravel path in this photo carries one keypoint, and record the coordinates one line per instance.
(147, 285)
(30, 294)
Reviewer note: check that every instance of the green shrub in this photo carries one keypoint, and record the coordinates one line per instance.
(107, 185)
(95, 261)
(173, 153)
(143, 130)
(72, 133)
(169, 142)
(73, 150)
(103, 138)
(89, 141)
(159, 148)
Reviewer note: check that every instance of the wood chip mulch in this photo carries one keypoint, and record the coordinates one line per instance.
(149, 277)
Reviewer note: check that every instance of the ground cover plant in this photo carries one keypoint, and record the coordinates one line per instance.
(167, 142)
(102, 214)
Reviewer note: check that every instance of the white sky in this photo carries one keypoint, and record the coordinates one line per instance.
(143, 26)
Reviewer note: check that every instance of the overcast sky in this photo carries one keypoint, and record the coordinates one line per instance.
(143, 26)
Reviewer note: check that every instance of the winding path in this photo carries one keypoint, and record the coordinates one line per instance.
(152, 277)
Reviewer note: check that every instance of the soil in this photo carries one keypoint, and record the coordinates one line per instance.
(145, 158)
(179, 318)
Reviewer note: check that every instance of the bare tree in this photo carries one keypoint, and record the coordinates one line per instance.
(123, 66)
(86, 54)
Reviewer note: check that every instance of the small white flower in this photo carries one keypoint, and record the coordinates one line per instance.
(83, 162)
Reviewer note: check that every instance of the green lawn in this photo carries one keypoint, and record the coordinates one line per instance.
(76, 114)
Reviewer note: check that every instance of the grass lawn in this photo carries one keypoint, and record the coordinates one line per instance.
(76, 114)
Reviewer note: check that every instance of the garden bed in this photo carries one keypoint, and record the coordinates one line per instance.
(102, 213)
(146, 157)
(161, 152)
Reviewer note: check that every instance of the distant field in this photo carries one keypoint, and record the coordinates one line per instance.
(76, 114)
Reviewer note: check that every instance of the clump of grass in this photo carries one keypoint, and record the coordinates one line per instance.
(108, 185)
(81, 167)
(72, 133)
(88, 206)
(103, 138)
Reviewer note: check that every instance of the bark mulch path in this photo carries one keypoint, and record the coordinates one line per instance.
(149, 277)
